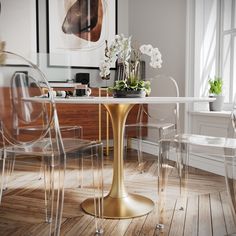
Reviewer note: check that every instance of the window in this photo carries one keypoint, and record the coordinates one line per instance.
(227, 58)
(211, 47)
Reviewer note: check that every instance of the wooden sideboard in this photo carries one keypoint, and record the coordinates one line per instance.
(87, 116)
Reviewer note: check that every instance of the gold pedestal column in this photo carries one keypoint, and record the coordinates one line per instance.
(118, 203)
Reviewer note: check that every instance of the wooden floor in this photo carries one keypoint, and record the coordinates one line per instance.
(204, 213)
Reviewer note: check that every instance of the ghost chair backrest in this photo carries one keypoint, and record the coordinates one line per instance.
(164, 86)
(19, 80)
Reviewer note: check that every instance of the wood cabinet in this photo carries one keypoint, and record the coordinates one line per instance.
(87, 115)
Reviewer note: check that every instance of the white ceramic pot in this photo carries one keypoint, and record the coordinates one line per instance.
(217, 105)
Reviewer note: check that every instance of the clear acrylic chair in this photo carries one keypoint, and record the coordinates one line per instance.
(75, 131)
(45, 142)
(163, 120)
(185, 145)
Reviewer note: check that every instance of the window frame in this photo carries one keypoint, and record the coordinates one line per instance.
(232, 33)
(195, 85)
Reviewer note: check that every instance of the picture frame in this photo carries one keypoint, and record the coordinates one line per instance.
(79, 43)
(19, 28)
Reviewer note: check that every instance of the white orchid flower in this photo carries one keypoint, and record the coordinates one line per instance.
(156, 54)
(155, 64)
(121, 50)
(146, 49)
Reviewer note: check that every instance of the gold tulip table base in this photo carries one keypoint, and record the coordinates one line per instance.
(118, 204)
(132, 205)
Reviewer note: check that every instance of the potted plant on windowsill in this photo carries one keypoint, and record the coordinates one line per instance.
(128, 58)
(215, 91)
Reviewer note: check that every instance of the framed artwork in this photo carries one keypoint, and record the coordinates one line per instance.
(77, 30)
(19, 27)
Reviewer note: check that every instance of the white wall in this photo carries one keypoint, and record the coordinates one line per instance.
(162, 23)
(17, 27)
(123, 17)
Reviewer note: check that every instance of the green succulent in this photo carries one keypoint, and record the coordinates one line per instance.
(215, 85)
(131, 84)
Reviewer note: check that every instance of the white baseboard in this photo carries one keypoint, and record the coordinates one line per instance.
(147, 146)
(207, 163)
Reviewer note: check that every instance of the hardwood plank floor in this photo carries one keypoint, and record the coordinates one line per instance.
(203, 211)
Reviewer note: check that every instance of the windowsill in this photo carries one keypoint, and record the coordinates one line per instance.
(211, 113)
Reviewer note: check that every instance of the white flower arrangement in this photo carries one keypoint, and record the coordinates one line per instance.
(121, 50)
(154, 54)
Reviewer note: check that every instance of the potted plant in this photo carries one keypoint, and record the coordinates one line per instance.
(215, 91)
(128, 57)
(131, 87)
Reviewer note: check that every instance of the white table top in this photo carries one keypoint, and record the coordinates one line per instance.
(111, 100)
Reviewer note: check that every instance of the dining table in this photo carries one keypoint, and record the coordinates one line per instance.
(119, 203)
